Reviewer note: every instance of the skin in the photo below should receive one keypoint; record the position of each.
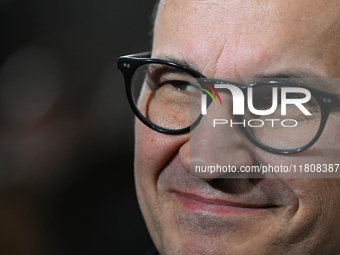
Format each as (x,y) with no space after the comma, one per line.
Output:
(241,39)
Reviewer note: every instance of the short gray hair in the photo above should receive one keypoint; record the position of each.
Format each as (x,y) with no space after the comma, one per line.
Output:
(153,17)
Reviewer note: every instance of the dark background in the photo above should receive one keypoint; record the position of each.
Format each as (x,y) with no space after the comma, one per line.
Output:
(66,130)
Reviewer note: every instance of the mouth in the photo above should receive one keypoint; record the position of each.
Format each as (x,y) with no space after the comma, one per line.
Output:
(220,207)
(224,199)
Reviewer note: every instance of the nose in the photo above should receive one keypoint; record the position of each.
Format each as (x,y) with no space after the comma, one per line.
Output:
(217,149)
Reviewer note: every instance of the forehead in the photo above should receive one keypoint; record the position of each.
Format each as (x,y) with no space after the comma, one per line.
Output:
(235,34)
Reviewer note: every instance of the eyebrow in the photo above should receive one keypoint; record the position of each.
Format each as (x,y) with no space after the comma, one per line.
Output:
(291,73)
(183,62)
(157,71)
(314,79)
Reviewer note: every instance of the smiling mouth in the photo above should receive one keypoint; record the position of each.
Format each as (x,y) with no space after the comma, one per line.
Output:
(218,207)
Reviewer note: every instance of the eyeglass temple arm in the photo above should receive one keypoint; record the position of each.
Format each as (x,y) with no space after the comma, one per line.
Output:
(145,54)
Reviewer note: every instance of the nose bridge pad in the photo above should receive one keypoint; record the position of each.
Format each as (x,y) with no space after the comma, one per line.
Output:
(218,143)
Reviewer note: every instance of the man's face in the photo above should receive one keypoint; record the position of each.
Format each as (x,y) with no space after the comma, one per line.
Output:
(242,39)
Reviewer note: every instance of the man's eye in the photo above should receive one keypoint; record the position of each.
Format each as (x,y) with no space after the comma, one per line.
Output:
(180,85)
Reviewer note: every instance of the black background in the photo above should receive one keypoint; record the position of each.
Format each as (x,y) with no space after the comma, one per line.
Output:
(67,174)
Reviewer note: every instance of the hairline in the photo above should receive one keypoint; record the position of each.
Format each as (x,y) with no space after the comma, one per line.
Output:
(153,18)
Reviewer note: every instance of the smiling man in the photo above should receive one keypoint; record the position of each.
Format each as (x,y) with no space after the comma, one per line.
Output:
(235,40)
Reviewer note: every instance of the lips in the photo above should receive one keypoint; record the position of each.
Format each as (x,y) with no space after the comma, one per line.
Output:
(219,207)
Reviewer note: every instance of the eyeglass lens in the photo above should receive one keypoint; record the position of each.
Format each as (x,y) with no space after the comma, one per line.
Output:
(162,94)
(290,131)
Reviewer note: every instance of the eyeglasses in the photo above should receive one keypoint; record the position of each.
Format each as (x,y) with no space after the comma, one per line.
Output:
(166,97)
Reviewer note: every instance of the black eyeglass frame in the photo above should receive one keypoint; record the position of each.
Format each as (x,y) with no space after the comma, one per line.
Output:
(130,63)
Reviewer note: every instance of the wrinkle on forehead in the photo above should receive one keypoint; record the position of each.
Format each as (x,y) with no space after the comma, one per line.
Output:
(229,33)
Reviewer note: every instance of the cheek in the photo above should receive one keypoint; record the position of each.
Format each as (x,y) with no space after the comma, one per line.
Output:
(153,151)
(319,209)
(329,142)
(318,216)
